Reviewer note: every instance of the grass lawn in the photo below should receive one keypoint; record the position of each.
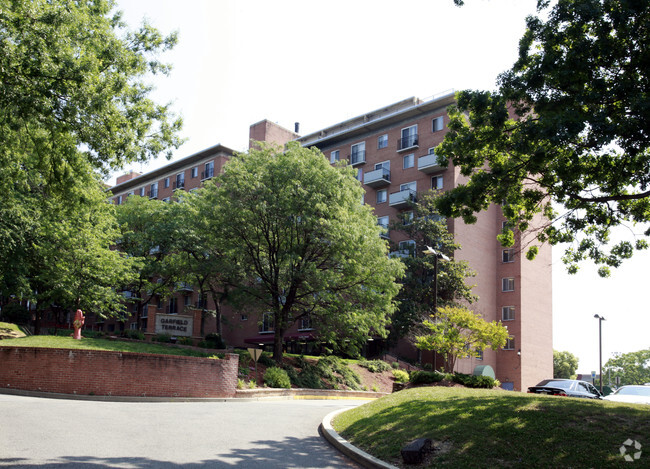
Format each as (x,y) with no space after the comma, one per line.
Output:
(9,330)
(49,341)
(492,428)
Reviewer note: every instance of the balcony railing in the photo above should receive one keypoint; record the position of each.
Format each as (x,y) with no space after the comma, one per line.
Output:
(207,174)
(377,178)
(152,194)
(358,157)
(429,163)
(178,185)
(410,141)
(402,199)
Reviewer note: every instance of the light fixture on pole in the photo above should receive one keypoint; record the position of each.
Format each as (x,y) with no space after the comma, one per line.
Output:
(600,350)
(429,251)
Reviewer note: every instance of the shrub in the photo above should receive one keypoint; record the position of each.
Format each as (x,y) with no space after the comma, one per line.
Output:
(266,360)
(186,341)
(252,384)
(375,366)
(336,371)
(395,365)
(16,313)
(309,376)
(426,377)
(375,388)
(472,381)
(240,384)
(163,338)
(401,376)
(133,334)
(212,340)
(277,378)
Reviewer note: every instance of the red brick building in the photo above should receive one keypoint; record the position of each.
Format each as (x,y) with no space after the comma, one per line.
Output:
(393,150)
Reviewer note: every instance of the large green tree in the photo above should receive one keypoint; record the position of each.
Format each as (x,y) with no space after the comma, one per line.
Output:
(565,365)
(457,332)
(305,244)
(421,288)
(631,368)
(73,102)
(568,128)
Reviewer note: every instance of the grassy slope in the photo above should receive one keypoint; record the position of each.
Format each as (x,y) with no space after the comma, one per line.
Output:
(48,341)
(9,330)
(486,428)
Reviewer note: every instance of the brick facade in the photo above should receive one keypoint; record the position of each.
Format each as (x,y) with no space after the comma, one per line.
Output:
(91,372)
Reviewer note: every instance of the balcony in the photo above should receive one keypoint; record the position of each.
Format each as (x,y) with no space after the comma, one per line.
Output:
(358,157)
(152,194)
(408,142)
(401,253)
(429,164)
(207,174)
(402,199)
(377,178)
(185,287)
(178,185)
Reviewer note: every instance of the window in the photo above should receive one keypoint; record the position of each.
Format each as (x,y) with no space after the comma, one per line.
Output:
(409,138)
(208,171)
(141,192)
(202,301)
(360,175)
(335,156)
(382,196)
(507,313)
(358,153)
(508,255)
(508,284)
(267,324)
(382,141)
(437,124)
(195,172)
(407,247)
(244,317)
(166,199)
(153,193)
(187,300)
(510,344)
(383,222)
(180,180)
(436,182)
(479,354)
(305,323)
(118,200)
(409,186)
(409,161)
(173,306)
(166,182)
(407,218)
(130,193)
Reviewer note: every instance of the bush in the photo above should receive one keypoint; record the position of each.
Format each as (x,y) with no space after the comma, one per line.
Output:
(133,334)
(186,341)
(16,314)
(240,384)
(163,338)
(401,376)
(336,371)
(375,366)
(277,378)
(426,377)
(266,360)
(395,365)
(213,340)
(309,376)
(472,381)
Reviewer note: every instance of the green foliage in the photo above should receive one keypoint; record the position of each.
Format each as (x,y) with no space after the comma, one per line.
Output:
(213,340)
(275,377)
(303,244)
(566,128)
(241,384)
(457,332)
(15,313)
(133,334)
(337,373)
(565,365)
(266,359)
(401,376)
(426,377)
(418,292)
(631,368)
(186,341)
(472,381)
(163,338)
(375,366)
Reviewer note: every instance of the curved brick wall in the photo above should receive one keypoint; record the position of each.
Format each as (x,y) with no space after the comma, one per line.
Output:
(100,373)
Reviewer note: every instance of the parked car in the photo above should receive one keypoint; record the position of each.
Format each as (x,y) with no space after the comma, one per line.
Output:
(566,387)
(631,394)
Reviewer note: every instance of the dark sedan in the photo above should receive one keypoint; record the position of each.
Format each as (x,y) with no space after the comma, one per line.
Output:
(566,387)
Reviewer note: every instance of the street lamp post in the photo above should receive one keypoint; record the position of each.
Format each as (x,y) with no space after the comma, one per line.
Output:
(429,251)
(600,349)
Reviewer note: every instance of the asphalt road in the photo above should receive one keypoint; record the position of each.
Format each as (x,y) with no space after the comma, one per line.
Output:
(53,433)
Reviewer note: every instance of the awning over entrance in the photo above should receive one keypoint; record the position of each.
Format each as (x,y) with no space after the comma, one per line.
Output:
(268,338)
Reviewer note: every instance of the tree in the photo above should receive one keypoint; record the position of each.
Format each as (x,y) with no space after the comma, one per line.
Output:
(306,246)
(567,127)
(426,227)
(456,332)
(565,365)
(148,233)
(74,102)
(631,368)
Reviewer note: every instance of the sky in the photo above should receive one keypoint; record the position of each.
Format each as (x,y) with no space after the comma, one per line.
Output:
(319,63)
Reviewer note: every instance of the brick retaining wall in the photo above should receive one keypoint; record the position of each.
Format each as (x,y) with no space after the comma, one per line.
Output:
(102,373)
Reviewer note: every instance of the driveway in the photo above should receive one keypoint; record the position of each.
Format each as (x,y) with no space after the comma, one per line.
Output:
(53,433)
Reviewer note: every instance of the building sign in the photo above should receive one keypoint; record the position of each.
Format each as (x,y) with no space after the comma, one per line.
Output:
(174,324)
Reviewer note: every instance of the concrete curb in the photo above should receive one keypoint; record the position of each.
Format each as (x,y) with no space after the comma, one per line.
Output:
(354,453)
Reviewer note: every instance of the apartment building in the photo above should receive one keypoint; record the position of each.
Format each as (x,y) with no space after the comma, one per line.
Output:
(393,150)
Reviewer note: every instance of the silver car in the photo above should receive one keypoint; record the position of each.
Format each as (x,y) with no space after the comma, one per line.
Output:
(631,394)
